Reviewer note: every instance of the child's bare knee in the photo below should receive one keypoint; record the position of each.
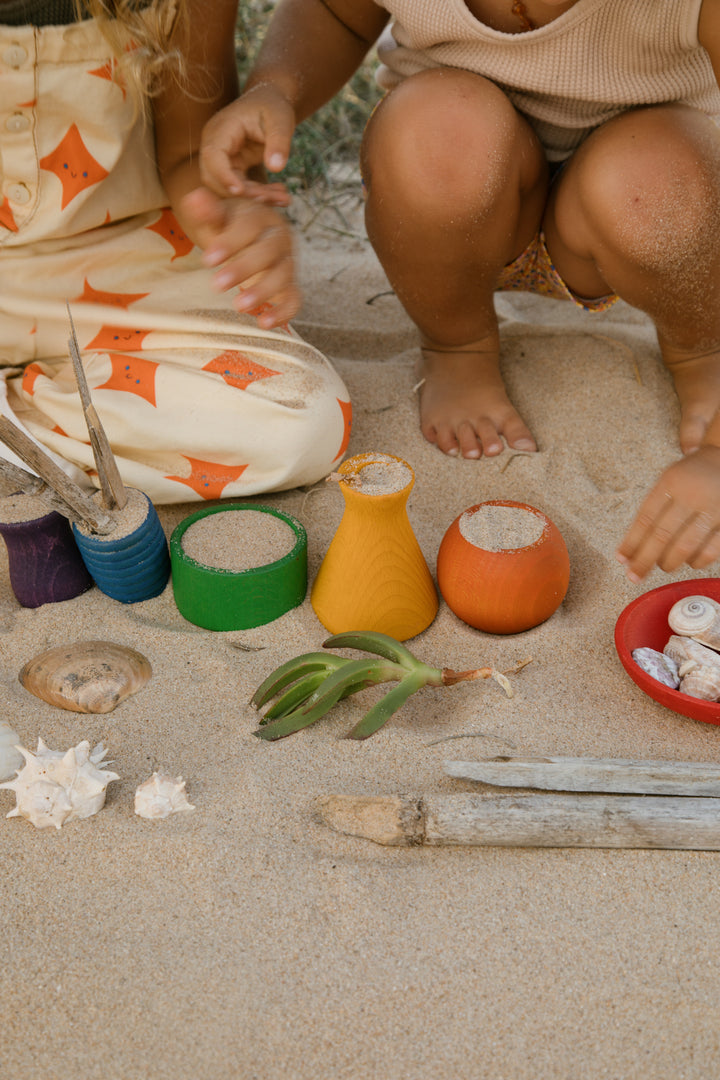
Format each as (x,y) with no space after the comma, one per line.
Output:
(442,135)
(651,195)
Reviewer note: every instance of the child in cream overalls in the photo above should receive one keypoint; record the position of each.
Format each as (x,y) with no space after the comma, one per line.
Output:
(199,400)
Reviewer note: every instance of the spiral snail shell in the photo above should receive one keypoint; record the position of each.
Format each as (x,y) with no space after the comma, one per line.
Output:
(697,617)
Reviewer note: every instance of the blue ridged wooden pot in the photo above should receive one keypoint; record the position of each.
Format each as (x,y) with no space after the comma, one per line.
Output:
(128,568)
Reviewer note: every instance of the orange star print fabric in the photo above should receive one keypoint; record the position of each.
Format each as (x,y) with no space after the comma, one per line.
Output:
(198,402)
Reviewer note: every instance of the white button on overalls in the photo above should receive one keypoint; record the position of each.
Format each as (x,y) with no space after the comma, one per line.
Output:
(14,56)
(18,193)
(17,122)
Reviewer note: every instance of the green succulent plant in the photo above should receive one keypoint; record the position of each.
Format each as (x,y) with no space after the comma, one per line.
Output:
(307,686)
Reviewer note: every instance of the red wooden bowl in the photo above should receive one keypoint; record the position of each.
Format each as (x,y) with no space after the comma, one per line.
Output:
(509,590)
(644,623)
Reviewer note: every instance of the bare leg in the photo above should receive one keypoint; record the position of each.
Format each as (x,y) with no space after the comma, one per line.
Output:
(457,183)
(637,212)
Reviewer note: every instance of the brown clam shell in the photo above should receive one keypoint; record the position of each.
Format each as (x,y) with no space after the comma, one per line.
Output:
(86,676)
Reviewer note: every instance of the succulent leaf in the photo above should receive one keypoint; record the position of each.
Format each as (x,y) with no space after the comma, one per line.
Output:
(291,671)
(372,641)
(382,710)
(298,719)
(354,675)
(295,695)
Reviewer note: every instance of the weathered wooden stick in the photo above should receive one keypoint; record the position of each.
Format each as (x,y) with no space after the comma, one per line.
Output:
(113,491)
(17,481)
(611,775)
(563,821)
(74,497)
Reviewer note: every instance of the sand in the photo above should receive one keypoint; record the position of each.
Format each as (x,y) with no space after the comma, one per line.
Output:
(247,941)
(232,540)
(501,528)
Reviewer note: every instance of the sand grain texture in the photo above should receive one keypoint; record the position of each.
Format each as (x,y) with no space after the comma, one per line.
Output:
(247,941)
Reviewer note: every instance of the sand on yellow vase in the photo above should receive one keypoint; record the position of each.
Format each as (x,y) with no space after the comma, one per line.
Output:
(374,575)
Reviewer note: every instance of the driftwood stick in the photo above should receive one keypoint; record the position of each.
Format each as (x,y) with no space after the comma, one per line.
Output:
(81,505)
(113,491)
(610,775)
(17,481)
(561,821)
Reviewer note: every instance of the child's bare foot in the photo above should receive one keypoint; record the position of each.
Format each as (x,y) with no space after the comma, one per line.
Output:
(464,407)
(697,382)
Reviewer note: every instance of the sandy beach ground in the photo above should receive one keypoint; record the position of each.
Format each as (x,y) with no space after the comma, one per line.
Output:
(246,939)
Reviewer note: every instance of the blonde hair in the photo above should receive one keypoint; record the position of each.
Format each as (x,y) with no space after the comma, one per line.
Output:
(146,38)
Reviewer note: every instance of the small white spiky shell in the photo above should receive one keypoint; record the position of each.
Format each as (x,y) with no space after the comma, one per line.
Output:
(697,617)
(56,786)
(10,757)
(698,667)
(160,796)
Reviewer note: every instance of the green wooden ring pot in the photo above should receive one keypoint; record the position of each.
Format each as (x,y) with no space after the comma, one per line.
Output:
(219,599)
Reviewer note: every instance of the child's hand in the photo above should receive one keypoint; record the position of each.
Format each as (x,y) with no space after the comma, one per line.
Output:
(255,130)
(679,521)
(252,246)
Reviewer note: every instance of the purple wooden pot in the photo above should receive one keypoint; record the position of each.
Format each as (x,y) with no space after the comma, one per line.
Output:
(44,562)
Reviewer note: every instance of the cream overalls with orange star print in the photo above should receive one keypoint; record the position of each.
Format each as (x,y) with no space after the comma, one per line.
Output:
(198,402)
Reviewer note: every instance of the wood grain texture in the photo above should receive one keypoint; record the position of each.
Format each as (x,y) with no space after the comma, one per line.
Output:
(526,820)
(81,506)
(609,775)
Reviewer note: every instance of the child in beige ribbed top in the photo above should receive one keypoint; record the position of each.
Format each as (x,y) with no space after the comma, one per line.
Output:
(487,98)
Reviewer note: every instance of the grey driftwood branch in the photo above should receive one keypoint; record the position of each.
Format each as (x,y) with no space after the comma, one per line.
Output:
(72,501)
(528,820)
(608,775)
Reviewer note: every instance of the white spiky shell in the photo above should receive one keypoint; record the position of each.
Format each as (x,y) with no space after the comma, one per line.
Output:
(698,667)
(56,786)
(10,757)
(697,617)
(160,796)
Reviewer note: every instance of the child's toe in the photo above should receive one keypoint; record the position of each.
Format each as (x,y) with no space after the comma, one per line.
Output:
(518,435)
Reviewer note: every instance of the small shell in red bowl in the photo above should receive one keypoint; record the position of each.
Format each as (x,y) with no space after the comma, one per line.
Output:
(644,623)
(503,567)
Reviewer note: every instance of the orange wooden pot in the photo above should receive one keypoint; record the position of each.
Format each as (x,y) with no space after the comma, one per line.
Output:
(514,583)
(374,575)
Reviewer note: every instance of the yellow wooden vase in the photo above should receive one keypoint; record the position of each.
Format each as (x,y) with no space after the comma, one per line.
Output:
(374,575)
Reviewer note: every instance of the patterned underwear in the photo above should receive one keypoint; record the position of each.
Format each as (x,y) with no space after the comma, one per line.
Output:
(533,271)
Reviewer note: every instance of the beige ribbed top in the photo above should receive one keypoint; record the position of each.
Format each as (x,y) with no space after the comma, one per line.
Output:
(591,63)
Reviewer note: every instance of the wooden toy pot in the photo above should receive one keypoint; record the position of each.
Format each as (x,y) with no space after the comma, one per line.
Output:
(132,566)
(374,575)
(44,563)
(512,586)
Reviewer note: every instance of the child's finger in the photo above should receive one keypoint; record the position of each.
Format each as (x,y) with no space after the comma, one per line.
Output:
(275,194)
(689,542)
(278,126)
(279,309)
(268,285)
(253,254)
(217,172)
(651,534)
(708,553)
